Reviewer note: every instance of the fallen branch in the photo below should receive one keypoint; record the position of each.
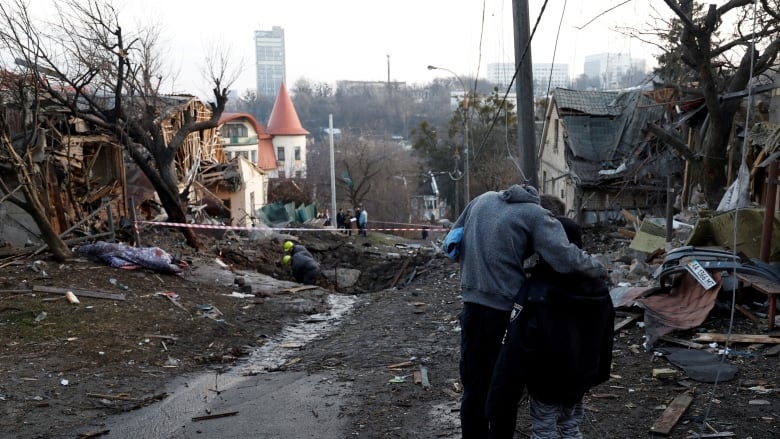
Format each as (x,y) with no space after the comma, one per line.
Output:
(214,416)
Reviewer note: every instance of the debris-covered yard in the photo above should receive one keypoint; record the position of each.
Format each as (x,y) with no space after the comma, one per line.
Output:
(67,366)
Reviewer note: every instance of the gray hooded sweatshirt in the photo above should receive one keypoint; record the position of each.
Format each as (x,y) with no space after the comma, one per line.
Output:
(501,230)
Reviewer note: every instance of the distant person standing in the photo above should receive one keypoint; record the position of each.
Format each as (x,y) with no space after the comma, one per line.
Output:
(363,222)
(340,220)
(500,231)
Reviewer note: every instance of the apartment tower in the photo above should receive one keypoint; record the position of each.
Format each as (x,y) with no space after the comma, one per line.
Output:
(270,60)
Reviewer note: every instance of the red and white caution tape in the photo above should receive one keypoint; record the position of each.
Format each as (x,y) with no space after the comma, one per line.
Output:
(285,229)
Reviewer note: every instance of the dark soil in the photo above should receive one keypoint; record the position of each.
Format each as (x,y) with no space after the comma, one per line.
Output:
(63,373)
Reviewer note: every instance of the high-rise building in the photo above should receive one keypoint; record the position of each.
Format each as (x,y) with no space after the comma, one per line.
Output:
(549,76)
(610,69)
(270,60)
(501,74)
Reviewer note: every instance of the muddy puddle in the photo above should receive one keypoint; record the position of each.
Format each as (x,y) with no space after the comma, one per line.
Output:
(253,398)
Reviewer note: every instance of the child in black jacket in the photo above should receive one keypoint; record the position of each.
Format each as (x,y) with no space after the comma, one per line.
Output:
(558,345)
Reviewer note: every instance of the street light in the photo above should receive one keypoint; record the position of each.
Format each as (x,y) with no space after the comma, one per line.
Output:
(465,132)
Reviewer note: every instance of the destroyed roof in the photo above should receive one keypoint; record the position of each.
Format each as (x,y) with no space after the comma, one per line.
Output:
(594,103)
(606,126)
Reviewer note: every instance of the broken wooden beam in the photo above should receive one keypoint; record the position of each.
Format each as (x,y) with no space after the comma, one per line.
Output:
(668,419)
(84,293)
(682,342)
(736,338)
(626,321)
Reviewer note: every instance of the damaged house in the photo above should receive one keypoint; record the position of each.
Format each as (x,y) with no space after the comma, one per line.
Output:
(89,186)
(597,157)
(79,175)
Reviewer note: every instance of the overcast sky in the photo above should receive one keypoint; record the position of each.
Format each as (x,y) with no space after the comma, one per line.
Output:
(351,39)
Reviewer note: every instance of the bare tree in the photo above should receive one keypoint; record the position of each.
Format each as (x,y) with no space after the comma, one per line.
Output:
(364,165)
(91,68)
(703,58)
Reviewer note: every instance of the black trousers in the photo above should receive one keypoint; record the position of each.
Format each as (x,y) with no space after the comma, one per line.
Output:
(482,330)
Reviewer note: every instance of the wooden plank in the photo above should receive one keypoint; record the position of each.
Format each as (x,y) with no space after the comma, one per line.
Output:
(84,293)
(668,419)
(736,338)
(682,342)
(399,365)
(623,323)
(754,318)
(759,283)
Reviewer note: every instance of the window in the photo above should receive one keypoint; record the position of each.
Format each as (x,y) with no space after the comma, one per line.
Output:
(253,156)
(234,130)
(280,153)
(555,139)
(298,174)
(298,153)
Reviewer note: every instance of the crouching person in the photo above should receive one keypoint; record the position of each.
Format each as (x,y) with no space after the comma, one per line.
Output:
(305,268)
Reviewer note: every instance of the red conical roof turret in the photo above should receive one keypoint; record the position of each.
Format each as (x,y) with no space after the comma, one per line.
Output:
(284,119)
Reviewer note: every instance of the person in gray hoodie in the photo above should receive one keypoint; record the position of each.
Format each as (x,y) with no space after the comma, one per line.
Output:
(500,231)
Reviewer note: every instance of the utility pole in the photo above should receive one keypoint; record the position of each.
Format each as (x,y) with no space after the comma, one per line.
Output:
(524,83)
(333,210)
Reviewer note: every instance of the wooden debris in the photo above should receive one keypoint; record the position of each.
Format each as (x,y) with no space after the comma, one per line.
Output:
(172,297)
(214,416)
(400,272)
(686,343)
(626,321)
(665,373)
(167,337)
(746,312)
(670,416)
(630,218)
(297,289)
(736,338)
(399,365)
(708,435)
(83,293)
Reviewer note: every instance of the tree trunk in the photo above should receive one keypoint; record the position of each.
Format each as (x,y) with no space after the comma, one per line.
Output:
(165,184)
(33,205)
(35,208)
(173,204)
